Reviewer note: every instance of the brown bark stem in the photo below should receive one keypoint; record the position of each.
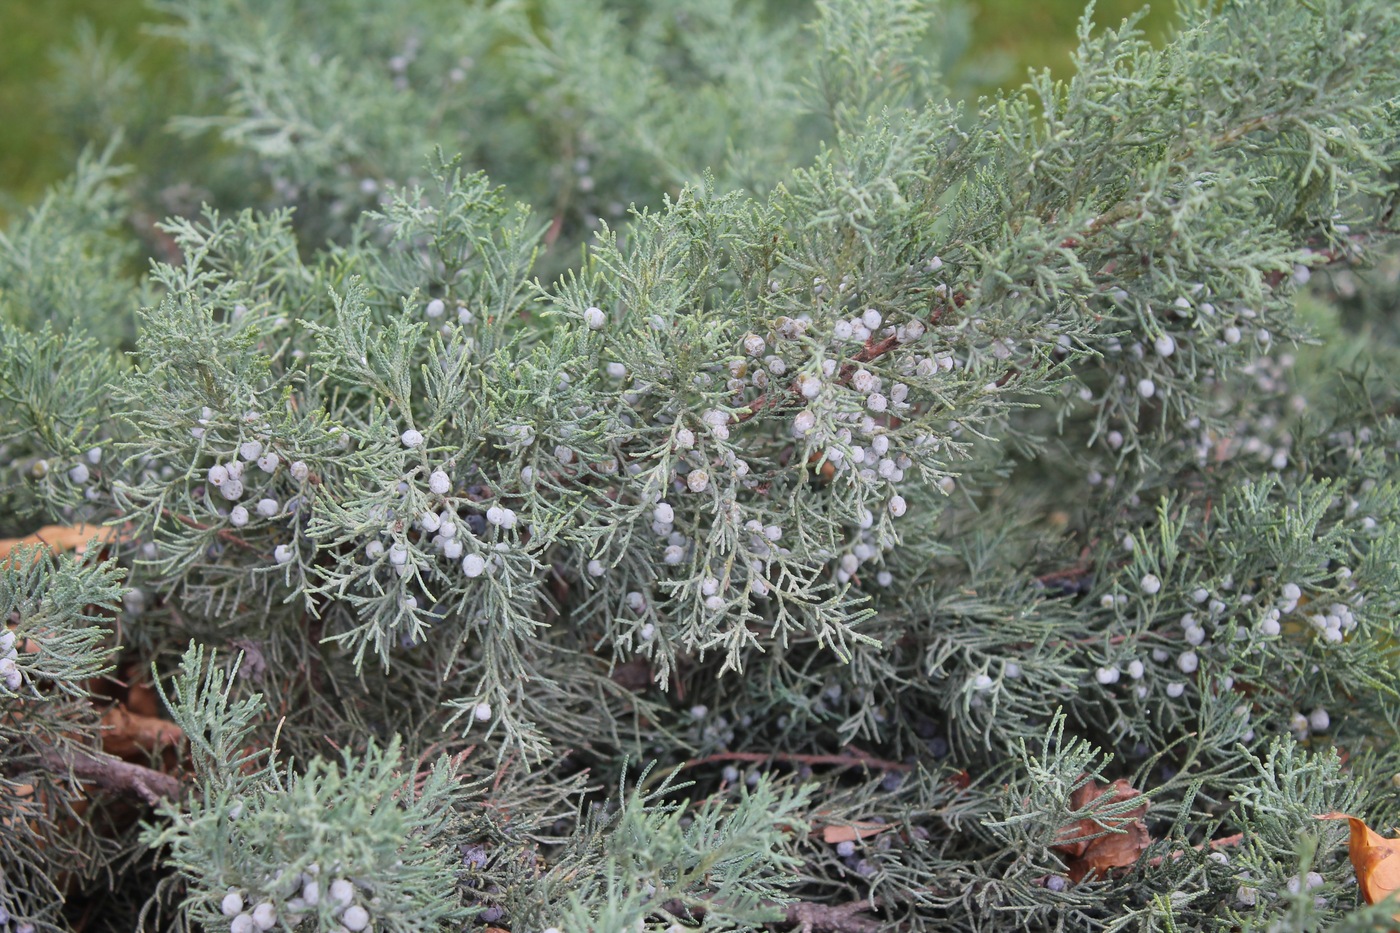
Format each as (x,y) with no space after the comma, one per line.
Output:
(113,774)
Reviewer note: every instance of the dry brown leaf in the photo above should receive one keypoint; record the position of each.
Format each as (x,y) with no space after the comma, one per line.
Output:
(1374,858)
(18,792)
(130,735)
(1119,850)
(851,832)
(141,698)
(59,538)
(1097,846)
(634,675)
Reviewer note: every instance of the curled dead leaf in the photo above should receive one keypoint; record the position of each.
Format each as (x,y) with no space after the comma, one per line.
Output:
(142,699)
(824,468)
(17,793)
(850,832)
(132,736)
(59,538)
(1374,858)
(1097,845)
(634,675)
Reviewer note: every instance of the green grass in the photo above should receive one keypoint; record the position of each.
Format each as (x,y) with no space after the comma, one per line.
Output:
(1030,33)
(1042,34)
(32,154)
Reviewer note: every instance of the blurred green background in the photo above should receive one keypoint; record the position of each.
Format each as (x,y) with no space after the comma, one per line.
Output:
(1019,34)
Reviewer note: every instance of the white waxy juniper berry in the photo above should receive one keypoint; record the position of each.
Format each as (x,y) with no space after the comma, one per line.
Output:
(803,423)
(264,916)
(341,892)
(355,918)
(232,903)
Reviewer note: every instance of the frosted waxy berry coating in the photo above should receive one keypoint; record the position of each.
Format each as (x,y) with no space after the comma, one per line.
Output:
(355,918)
(231,904)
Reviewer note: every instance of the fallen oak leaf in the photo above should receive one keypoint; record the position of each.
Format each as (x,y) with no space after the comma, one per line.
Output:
(1374,858)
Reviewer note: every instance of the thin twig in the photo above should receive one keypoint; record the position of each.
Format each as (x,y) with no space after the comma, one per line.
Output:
(1221,843)
(825,918)
(223,533)
(113,774)
(807,917)
(858,759)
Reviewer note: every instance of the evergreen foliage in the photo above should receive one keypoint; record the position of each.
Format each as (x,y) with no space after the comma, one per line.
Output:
(795,521)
